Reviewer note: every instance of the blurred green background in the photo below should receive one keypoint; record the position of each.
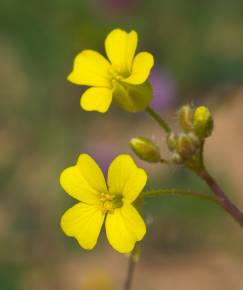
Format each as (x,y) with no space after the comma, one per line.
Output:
(198,47)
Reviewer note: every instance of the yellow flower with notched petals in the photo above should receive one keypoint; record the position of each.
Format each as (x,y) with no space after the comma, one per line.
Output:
(99,202)
(123,77)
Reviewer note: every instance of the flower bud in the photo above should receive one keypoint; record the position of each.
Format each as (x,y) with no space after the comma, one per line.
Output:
(172,141)
(195,140)
(145,149)
(203,122)
(185,116)
(186,146)
(133,98)
(176,158)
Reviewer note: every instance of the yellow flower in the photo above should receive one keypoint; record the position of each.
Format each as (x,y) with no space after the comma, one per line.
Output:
(123,77)
(99,202)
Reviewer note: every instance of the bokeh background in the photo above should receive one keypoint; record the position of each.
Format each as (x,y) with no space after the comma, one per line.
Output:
(198,47)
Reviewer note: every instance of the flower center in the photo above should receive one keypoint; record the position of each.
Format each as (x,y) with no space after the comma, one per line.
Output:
(109,202)
(117,76)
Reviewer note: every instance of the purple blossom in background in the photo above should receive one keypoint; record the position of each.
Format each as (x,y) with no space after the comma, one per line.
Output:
(164,90)
(103,154)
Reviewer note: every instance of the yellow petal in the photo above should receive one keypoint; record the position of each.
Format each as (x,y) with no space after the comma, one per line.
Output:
(83,222)
(142,64)
(124,227)
(91,69)
(120,48)
(84,181)
(125,178)
(96,99)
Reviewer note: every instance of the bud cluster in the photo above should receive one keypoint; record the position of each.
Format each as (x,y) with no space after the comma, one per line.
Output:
(186,146)
(196,125)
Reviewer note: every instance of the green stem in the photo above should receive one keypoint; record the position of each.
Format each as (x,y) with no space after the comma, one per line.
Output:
(131,268)
(163,124)
(178,192)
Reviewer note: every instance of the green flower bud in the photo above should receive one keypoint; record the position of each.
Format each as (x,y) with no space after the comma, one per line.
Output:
(145,149)
(203,122)
(185,116)
(195,140)
(172,141)
(176,158)
(133,98)
(186,146)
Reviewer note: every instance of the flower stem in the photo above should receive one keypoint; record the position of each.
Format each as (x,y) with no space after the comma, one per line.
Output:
(163,124)
(221,197)
(178,192)
(131,268)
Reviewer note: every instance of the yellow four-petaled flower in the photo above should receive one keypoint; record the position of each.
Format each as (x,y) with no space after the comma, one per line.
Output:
(122,77)
(99,202)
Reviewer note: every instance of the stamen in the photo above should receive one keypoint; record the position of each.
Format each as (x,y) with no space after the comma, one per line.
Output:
(109,202)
